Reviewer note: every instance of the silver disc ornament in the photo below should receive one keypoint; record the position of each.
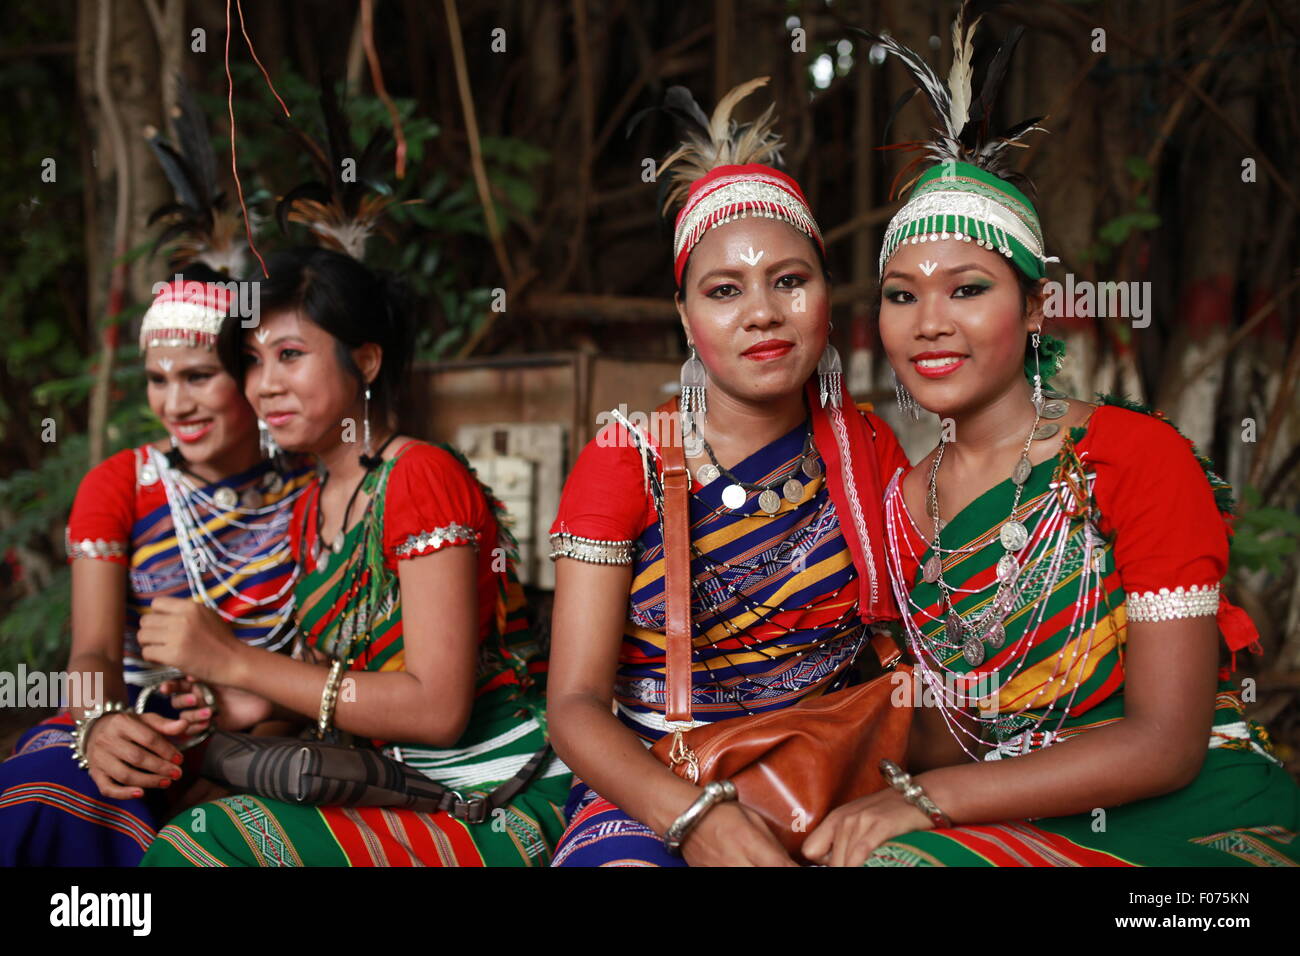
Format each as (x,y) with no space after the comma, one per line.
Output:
(1045,430)
(1008,568)
(793,491)
(707,474)
(972,648)
(812,467)
(1055,409)
(225,497)
(769,501)
(733,497)
(1020,474)
(1014,536)
(930,573)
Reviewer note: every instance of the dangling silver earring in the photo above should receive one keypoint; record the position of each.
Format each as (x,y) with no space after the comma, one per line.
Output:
(693,398)
(830,376)
(906,403)
(365,425)
(266,441)
(1037,340)
(175,443)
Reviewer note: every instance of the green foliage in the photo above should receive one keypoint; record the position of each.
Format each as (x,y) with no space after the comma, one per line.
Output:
(433,222)
(1141,218)
(1264,539)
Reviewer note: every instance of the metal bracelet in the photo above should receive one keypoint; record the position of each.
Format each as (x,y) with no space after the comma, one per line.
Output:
(914,794)
(82,731)
(719,791)
(329,698)
(209,700)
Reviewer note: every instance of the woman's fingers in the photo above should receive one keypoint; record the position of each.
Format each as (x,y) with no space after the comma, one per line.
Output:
(112,790)
(121,770)
(146,735)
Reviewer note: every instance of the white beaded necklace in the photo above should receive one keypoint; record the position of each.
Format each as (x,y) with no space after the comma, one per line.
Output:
(193,511)
(1047,548)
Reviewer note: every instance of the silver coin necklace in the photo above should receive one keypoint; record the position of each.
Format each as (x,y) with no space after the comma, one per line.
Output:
(1013,536)
(737,492)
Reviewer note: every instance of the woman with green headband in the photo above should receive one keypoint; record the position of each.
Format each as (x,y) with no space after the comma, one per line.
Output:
(1058,565)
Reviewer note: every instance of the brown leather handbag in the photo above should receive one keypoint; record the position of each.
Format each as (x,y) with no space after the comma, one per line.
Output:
(791,766)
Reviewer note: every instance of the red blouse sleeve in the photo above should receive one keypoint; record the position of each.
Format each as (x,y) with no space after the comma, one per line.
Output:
(433,502)
(103,512)
(606,504)
(1170,542)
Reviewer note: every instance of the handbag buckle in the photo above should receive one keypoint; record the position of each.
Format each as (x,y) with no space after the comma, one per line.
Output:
(680,752)
(473,810)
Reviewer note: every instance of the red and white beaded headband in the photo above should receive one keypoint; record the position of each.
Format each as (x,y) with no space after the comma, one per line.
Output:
(185,312)
(728,193)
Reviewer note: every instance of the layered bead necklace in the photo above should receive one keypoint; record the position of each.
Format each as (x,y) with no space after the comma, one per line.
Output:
(1044,552)
(194,511)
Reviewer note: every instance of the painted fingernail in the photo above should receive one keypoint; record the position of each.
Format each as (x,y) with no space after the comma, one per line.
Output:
(205,713)
(164,782)
(137,793)
(177,758)
(176,774)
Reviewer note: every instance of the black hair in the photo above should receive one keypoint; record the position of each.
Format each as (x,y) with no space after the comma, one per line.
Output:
(351,302)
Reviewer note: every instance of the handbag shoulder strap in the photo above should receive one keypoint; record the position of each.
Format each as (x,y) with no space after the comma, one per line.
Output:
(675,522)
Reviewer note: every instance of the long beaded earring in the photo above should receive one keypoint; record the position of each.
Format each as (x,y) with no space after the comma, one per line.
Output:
(693,399)
(365,425)
(1037,340)
(266,441)
(830,374)
(906,403)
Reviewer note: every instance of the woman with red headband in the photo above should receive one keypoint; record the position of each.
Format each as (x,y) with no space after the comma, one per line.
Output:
(200,515)
(785,494)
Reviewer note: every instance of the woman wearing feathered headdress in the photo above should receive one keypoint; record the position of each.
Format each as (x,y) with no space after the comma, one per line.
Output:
(784,500)
(415,634)
(1058,563)
(197,520)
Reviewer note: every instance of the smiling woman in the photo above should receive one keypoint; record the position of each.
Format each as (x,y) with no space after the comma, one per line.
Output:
(198,519)
(1059,566)
(415,635)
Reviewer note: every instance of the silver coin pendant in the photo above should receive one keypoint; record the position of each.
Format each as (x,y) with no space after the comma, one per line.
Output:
(972,649)
(707,474)
(733,497)
(769,501)
(1008,568)
(793,491)
(1055,409)
(225,497)
(812,467)
(1014,536)
(996,636)
(1044,431)
(933,567)
(1020,474)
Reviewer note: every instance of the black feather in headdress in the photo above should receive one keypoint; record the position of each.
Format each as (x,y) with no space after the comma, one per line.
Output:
(961,122)
(199,227)
(342,214)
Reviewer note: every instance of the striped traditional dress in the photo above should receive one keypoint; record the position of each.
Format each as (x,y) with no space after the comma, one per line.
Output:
(51,812)
(423,499)
(775,598)
(1123,525)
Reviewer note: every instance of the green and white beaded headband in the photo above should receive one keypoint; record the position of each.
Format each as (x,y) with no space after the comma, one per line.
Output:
(963,202)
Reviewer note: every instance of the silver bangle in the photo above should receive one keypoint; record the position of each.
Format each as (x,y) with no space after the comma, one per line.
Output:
(82,731)
(914,794)
(719,791)
(209,700)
